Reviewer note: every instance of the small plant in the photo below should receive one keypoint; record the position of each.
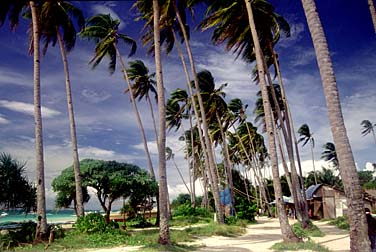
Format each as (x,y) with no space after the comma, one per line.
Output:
(140,222)
(312,230)
(188,211)
(310,246)
(341,222)
(92,223)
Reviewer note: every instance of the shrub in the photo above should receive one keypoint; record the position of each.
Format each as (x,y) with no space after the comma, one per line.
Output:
(341,222)
(245,210)
(92,223)
(140,222)
(25,233)
(312,230)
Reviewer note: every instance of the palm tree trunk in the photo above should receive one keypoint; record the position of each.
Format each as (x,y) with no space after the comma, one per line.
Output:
(212,163)
(72,126)
(203,139)
(152,117)
(164,229)
(227,161)
(287,234)
(290,128)
(358,226)
(373,13)
(135,109)
(181,175)
(259,180)
(373,133)
(313,163)
(39,159)
(193,159)
(302,213)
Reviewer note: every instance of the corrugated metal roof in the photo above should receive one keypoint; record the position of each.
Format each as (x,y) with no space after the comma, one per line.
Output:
(311,191)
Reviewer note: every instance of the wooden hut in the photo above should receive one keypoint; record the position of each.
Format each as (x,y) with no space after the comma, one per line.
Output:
(325,202)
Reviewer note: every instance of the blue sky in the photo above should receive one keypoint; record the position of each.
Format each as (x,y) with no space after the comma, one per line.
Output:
(106,126)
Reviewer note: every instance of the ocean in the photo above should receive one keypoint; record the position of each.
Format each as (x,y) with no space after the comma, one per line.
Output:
(53,216)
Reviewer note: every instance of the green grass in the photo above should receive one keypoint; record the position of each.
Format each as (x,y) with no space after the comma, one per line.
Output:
(309,245)
(340,222)
(311,231)
(182,221)
(74,241)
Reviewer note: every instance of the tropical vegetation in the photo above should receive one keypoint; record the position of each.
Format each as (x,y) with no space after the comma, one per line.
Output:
(224,151)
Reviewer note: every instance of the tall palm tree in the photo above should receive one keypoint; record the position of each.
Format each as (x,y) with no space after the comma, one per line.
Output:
(287,233)
(305,137)
(143,85)
(368,128)
(373,13)
(164,229)
(358,227)
(13,8)
(57,25)
(104,30)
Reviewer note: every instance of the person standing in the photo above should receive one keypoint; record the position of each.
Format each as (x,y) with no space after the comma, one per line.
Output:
(371,229)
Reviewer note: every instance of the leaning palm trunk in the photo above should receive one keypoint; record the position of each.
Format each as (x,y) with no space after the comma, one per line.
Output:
(135,109)
(72,125)
(208,146)
(227,161)
(290,128)
(193,169)
(164,229)
(301,211)
(258,178)
(152,117)
(358,226)
(373,13)
(287,234)
(203,139)
(39,159)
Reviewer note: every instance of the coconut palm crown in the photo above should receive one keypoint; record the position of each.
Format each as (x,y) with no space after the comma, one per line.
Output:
(105,32)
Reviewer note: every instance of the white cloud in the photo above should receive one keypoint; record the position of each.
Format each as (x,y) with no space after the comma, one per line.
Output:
(95,97)
(103,9)
(27,108)
(8,76)
(3,120)
(296,34)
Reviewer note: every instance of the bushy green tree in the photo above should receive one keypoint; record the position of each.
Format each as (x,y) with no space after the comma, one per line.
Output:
(65,187)
(111,180)
(16,192)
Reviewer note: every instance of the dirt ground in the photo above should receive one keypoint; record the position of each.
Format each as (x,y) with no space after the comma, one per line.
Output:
(259,238)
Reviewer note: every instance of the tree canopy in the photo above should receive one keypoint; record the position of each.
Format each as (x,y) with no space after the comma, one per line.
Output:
(110,179)
(16,192)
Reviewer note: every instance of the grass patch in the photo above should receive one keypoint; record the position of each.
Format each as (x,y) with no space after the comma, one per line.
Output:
(309,245)
(182,221)
(311,231)
(341,222)
(74,240)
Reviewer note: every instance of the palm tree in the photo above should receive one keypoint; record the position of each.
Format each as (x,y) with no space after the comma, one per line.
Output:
(287,233)
(358,227)
(373,13)
(305,137)
(144,85)
(13,9)
(104,30)
(164,229)
(368,128)
(57,25)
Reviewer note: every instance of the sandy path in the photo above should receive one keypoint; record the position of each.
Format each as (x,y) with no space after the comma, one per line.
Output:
(259,238)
